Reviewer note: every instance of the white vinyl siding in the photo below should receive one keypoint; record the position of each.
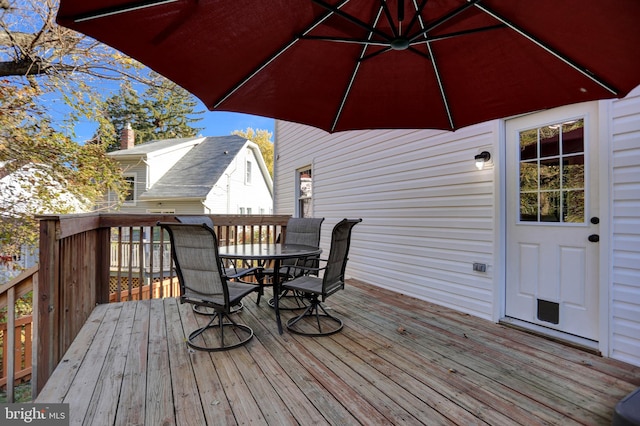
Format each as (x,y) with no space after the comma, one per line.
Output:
(138,171)
(233,192)
(625,286)
(428,213)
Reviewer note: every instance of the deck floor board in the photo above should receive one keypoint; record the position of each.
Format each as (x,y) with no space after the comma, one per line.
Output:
(398,360)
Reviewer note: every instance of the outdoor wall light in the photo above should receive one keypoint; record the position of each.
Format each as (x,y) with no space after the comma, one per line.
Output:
(481,159)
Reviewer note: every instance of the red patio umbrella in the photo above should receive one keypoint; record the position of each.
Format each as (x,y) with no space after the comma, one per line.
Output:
(364,64)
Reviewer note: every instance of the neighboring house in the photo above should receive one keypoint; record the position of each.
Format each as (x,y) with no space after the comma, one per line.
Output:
(203,175)
(546,237)
(19,196)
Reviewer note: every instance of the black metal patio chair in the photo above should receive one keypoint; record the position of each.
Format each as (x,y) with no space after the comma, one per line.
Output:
(194,249)
(316,289)
(232,272)
(303,231)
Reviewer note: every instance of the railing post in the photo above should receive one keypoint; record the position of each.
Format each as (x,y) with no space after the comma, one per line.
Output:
(47,315)
(9,342)
(35,335)
(103,262)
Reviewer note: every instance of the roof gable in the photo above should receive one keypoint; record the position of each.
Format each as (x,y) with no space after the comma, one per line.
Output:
(197,172)
(155,147)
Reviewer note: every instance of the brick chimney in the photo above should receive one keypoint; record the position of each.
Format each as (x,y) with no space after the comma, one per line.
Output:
(127,137)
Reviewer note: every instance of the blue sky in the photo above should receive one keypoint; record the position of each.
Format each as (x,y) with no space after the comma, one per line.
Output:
(218,123)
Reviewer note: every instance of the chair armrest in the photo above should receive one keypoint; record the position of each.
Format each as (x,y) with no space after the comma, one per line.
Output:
(244,273)
(305,269)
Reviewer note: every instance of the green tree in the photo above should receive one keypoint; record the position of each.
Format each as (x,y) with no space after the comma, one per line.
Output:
(163,111)
(45,68)
(41,170)
(262,138)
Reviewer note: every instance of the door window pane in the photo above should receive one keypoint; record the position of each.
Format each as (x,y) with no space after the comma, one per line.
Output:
(550,141)
(550,206)
(573,137)
(573,172)
(574,207)
(529,176)
(552,173)
(529,207)
(529,144)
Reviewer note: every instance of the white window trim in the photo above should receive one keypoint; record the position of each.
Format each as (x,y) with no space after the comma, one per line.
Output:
(248,172)
(161,211)
(298,195)
(135,189)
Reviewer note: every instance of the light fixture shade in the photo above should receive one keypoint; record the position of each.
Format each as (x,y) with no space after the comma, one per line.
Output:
(481,159)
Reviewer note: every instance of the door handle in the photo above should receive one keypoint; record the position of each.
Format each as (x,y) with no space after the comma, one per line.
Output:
(594,238)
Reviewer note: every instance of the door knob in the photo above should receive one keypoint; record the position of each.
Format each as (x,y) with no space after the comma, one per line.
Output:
(594,238)
(595,220)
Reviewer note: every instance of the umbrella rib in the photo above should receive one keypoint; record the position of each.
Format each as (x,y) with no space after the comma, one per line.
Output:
(549,50)
(347,40)
(424,31)
(387,13)
(262,66)
(460,33)
(445,101)
(418,13)
(443,94)
(351,19)
(353,77)
(102,13)
(374,54)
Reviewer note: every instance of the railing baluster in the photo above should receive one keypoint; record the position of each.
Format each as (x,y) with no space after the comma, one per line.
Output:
(130,265)
(9,342)
(141,263)
(119,273)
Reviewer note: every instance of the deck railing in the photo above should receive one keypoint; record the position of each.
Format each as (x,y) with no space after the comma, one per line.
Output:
(77,270)
(17,333)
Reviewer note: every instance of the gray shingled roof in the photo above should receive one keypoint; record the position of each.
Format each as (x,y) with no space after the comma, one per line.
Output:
(198,171)
(148,147)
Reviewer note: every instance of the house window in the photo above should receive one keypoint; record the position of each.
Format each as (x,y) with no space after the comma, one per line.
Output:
(304,185)
(130,190)
(552,173)
(241,210)
(248,176)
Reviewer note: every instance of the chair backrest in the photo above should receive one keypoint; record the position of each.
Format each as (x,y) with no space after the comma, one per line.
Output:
(197,220)
(305,231)
(194,248)
(333,278)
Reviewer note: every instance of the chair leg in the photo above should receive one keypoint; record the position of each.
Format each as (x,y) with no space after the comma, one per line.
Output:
(289,295)
(260,293)
(221,325)
(260,279)
(202,310)
(313,311)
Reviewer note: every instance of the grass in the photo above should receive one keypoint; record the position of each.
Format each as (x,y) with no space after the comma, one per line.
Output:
(22,393)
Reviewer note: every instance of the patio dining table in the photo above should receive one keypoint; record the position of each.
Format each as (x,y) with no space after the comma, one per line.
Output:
(269,252)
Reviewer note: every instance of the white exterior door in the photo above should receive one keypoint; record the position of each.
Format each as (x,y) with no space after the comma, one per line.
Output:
(552,221)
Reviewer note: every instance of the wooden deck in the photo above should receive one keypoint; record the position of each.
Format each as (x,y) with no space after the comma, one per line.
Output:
(398,360)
